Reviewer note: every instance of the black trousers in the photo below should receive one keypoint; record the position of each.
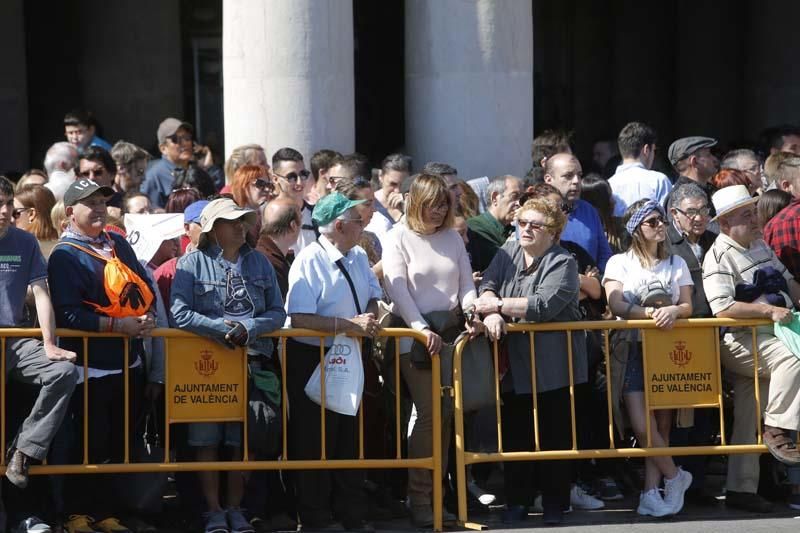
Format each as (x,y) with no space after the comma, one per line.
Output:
(555,433)
(315,489)
(98,494)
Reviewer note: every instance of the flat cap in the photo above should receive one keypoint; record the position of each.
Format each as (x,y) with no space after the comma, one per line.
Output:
(686,146)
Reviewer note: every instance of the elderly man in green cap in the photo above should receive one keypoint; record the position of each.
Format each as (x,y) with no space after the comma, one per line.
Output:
(331,289)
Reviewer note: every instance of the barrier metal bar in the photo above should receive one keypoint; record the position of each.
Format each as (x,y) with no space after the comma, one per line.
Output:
(458,415)
(535,399)
(126,400)
(322,440)
(361,404)
(571,391)
(437,390)
(607,355)
(757,385)
(647,413)
(284,398)
(397,388)
(167,412)
(496,361)
(85,400)
(245,418)
(719,388)
(3,402)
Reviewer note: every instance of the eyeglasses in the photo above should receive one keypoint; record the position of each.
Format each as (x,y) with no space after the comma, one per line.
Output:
(444,206)
(93,172)
(360,221)
(292,177)
(654,222)
(694,213)
(535,226)
(16,213)
(333,180)
(264,185)
(180,138)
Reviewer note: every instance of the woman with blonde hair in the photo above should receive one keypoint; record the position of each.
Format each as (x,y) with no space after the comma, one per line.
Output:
(427,275)
(32,206)
(647,283)
(247,154)
(33,176)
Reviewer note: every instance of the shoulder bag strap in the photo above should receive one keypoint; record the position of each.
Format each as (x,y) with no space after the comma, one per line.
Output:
(349,282)
(86,250)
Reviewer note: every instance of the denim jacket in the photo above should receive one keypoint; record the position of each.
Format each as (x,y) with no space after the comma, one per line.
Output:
(198,295)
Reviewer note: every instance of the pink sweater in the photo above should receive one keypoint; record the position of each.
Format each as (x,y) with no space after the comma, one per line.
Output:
(425,273)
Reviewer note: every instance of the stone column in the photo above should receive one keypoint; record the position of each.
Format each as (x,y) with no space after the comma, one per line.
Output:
(13,88)
(288,74)
(469,84)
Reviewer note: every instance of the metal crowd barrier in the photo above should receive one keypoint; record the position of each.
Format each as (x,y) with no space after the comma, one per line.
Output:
(181,353)
(691,338)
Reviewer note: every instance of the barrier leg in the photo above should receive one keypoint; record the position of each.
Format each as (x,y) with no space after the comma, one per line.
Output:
(436,391)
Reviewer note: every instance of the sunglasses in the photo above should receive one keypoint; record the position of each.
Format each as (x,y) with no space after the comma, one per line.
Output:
(535,226)
(16,213)
(264,185)
(654,222)
(292,177)
(180,138)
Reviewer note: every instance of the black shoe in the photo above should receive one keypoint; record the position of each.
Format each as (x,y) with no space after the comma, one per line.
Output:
(748,501)
(553,514)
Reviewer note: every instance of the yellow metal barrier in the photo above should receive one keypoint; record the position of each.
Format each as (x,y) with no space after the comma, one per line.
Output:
(697,331)
(173,415)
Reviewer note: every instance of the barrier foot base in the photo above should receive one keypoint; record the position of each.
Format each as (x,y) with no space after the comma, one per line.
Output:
(474,526)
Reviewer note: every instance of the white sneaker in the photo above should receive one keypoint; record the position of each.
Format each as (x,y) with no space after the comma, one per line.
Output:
(651,504)
(580,500)
(481,495)
(675,488)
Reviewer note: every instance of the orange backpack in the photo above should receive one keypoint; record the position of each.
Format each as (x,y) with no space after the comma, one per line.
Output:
(127,293)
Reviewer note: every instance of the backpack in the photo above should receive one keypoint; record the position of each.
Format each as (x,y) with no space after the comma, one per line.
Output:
(127,293)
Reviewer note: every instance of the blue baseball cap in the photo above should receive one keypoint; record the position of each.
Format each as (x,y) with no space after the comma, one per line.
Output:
(193,210)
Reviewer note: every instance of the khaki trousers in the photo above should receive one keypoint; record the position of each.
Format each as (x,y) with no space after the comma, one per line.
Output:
(420,443)
(779,384)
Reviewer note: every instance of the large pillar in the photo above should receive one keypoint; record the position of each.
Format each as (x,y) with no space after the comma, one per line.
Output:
(288,74)
(469,84)
(13,88)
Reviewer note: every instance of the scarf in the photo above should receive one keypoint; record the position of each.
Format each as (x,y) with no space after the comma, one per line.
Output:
(489,228)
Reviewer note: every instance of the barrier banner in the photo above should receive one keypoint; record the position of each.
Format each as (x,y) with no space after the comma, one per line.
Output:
(681,367)
(205,381)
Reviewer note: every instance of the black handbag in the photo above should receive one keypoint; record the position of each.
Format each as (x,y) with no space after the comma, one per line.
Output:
(144,492)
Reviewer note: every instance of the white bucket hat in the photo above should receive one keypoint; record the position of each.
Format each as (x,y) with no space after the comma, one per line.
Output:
(727,199)
(226,209)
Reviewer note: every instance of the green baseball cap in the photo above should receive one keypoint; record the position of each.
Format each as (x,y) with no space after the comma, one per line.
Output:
(331,207)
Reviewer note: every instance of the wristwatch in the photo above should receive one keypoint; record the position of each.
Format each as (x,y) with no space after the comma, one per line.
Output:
(500,305)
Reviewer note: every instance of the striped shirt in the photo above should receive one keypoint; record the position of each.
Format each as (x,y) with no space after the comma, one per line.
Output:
(729,264)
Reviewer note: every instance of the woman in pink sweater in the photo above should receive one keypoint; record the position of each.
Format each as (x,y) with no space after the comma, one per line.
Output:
(427,275)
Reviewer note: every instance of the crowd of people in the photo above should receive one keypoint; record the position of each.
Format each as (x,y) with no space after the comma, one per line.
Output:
(108,239)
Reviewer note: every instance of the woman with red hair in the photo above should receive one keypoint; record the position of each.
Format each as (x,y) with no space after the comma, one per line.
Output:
(252,186)
(729,176)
